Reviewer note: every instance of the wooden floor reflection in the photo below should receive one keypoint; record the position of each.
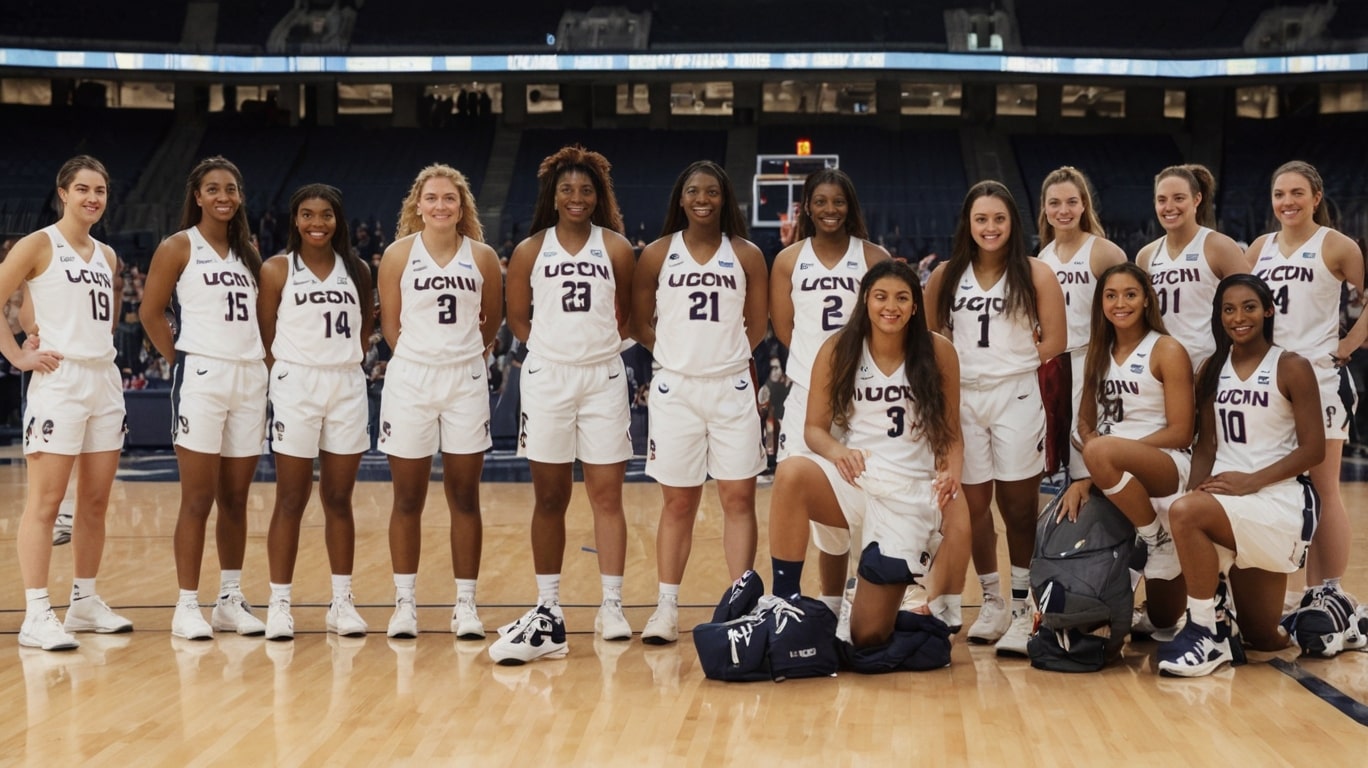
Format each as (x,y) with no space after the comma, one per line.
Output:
(149,699)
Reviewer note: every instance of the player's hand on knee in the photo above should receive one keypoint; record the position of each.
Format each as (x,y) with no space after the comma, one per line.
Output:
(1073,499)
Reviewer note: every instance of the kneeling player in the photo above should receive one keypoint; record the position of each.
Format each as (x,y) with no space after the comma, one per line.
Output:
(894,388)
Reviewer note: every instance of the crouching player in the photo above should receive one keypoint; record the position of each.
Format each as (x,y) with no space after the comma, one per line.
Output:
(893,387)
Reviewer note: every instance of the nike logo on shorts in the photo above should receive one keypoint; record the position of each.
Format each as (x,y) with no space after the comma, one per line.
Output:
(283,375)
(202,371)
(532,370)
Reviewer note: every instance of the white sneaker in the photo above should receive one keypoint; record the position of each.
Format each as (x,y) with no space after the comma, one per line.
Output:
(232,613)
(61,530)
(1143,629)
(993,620)
(663,626)
(90,614)
(343,619)
(404,622)
(1162,562)
(1013,641)
(539,634)
(45,631)
(610,624)
(279,622)
(189,623)
(465,620)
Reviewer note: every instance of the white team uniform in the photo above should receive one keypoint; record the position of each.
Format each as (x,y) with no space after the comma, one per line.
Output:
(823,300)
(895,505)
(703,418)
(78,408)
(317,388)
(1307,295)
(574,388)
(1138,411)
(436,396)
(1255,427)
(1076,279)
(1001,412)
(219,383)
(1186,288)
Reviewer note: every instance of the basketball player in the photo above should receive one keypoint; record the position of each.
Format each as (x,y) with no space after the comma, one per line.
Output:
(1187,262)
(814,284)
(1136,426)
(699,305)
(1305,263)
(577,270)
(1260,430)
(315,312)
(1005,313)
(892,389)
(74,402)
(441,295)
(1074,245)
(218,393)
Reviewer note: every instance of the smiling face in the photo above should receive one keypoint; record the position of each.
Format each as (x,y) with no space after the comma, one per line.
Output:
(439,203)
(1124,300)
(990,224)
(702,198)
(890,304)
(1175,203)
(1243,314)
(316,222)
(1063,206)
(828,208)
(218,195)
(1294,199)
(576,197)
(86,196)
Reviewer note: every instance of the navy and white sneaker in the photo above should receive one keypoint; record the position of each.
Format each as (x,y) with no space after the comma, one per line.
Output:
(1197,651)
(539,634)
(1327,623)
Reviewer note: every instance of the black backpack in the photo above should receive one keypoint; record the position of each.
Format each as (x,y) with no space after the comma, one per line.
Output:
(1081,578)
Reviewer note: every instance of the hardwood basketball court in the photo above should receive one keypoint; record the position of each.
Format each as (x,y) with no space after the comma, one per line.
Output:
(149,699)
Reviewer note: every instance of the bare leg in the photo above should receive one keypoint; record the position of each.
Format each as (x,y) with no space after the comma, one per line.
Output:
(336,481)
(603,483)
(738,524)
(410,479)
(674,535)
(96,476)
(461,484)
(551,485)
(47,482)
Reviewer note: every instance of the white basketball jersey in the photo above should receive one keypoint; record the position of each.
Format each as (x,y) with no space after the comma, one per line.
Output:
(991,343)
(1255,426)
(1076,278)
(1138,410)
(319,320)
(217,300)
(574,305)
(439,314)
(884,421)
(823,300)
(701,312)
(1307,295)
(1186,287)
(74,301)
